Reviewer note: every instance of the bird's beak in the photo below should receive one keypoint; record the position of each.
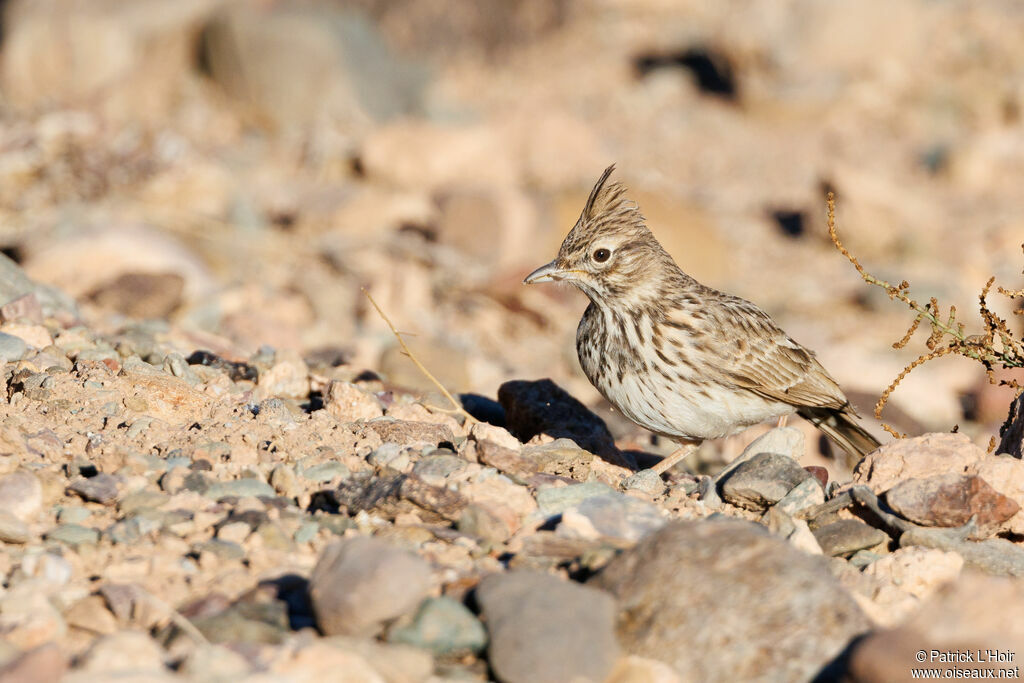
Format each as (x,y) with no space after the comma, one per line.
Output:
(549,272)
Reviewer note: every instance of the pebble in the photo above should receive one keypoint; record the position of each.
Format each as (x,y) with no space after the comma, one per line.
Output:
(225,550)
(443,626)
(846,536)
(807,493)
(124,652)
(616,515)
(544,629)
(360,583)
(12,348)
(142,500)
(554,500)
(12,529)
(102,488)
(73,535)
(763,480)
(326,471)
(246,486)
(647,481)
(22,494)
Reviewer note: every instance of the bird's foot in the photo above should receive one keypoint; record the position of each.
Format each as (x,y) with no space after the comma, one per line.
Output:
(669,461)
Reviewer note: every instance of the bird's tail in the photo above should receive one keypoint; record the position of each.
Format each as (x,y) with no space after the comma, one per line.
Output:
(840,427)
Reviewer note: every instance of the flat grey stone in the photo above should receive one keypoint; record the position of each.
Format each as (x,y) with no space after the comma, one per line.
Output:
(547,630)
(846,536)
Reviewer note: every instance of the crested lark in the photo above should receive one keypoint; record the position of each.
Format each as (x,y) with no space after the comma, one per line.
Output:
(678,358)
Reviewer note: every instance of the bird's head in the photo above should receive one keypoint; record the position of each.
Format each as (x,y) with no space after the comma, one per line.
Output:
(609,253)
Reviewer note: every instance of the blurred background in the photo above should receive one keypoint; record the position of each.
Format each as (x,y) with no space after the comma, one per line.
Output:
(234,172)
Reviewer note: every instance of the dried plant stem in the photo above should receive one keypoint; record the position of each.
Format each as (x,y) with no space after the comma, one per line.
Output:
(997,347)
(456,406)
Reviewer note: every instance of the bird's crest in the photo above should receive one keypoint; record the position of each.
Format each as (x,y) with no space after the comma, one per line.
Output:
(607,206)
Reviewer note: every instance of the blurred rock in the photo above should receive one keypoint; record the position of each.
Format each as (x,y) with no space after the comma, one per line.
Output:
(43,664)
(24,308)
(546,630)
(298,65)
(443,626)
(974,613)
(140,295)
(124,652)
(12,529)
(360,583)
(445,362)
(130,58)
(22,494)
(774,608)
(950,500)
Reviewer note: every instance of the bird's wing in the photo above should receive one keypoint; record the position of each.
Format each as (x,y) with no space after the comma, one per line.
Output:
(751,352)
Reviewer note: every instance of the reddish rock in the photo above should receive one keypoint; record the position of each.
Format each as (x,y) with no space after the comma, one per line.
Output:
(950,500)
(819,473)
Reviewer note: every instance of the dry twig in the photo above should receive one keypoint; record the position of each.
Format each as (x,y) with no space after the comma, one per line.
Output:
(456,406)
(996,347)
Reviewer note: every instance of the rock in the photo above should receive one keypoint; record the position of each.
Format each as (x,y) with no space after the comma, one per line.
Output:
(247,486)
(443,626)
(807,493)
(938,454)
(141,295)
(73,535)
(415,434)
(12,348)
(24,308)
(846,536)
(950,500)
(917,458)
(615,515)
(542,407)
(101,488)
(544,629)
(554,500)
(480,522)
(15,285)
(348,403)
(773,608)
(360,583)
(633,669)
(647,481)
(43,664)
(12,529)
(973,614)
(763,480)
(27,617)
(901,580)
(436,469)
(91,615)
(124,652)
(787,441)
(288,376)
(215,663)
(319,74)
(482,431)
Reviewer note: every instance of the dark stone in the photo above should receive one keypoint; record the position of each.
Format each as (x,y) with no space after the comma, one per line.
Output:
(99,489)
(846,536)
(762,481)
(542,407)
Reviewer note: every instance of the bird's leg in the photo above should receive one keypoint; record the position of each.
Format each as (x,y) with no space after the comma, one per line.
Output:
(676,456)
(782,420)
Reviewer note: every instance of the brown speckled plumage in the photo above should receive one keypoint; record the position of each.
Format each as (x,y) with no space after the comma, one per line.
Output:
(676,357)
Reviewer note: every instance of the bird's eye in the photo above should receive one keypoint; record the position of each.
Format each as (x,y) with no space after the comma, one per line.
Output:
(602,255)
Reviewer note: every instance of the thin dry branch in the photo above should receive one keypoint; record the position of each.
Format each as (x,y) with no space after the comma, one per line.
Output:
(997,347)
(456,406)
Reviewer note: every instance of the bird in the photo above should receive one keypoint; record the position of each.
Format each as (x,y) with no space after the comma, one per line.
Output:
(679,358)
